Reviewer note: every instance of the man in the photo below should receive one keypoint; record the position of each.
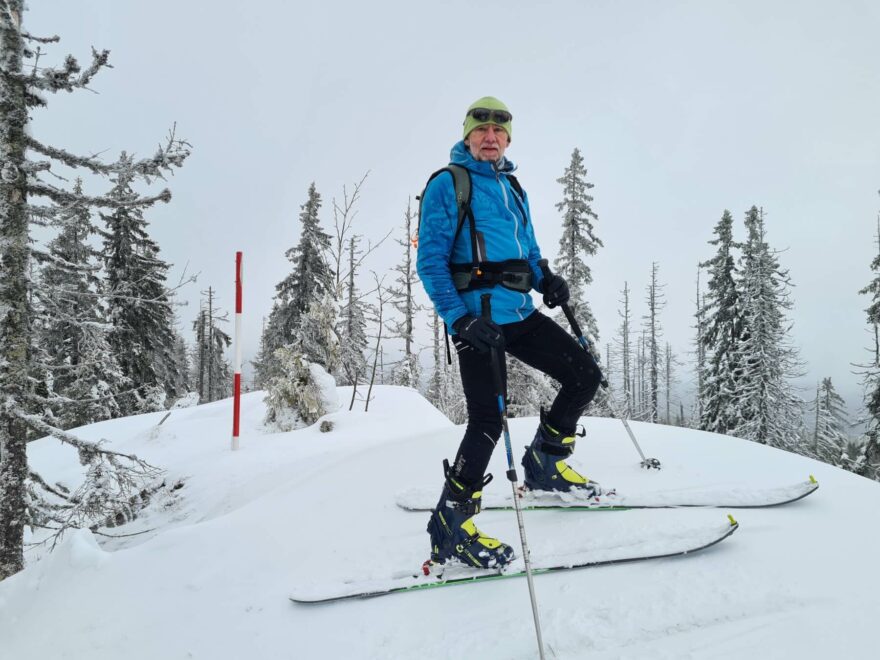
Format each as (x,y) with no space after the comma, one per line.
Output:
(495,252)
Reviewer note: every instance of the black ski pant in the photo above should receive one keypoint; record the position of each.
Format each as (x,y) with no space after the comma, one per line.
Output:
(539,342)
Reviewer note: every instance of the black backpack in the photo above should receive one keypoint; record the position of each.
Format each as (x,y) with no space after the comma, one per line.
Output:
(461,179)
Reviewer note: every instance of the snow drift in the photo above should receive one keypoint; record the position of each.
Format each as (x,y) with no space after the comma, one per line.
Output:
(206,569)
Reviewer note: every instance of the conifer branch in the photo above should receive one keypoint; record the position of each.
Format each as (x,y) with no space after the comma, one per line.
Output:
(42,40)
(87,450)
(66,198)
(168,156)
(67,78)
(57,492)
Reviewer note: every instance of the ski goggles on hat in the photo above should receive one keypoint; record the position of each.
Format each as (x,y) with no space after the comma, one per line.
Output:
(494,116)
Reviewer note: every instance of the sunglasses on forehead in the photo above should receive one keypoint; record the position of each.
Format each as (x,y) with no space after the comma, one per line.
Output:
(495,116)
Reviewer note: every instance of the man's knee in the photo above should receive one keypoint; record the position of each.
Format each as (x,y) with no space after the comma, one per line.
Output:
(485,428)
(585,379)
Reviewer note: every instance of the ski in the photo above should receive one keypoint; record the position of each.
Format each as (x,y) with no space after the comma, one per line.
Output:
(662,545)
(727,498)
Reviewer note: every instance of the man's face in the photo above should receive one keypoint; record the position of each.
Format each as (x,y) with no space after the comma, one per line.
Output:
(487,142)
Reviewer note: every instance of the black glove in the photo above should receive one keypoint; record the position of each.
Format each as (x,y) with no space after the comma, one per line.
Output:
(480,333)
(555,290)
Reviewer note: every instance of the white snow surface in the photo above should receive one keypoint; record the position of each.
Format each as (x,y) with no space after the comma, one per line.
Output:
(211,575)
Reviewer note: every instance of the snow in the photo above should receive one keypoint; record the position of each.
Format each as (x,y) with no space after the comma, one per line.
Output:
(211,574)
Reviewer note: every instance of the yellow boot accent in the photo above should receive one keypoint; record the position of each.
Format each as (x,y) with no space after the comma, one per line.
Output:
(569,474)
(566,441)
(471,529)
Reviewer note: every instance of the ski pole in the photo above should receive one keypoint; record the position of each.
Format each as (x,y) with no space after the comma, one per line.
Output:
(646,463)
(485,302)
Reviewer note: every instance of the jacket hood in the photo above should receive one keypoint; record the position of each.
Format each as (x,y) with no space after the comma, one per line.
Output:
(461,155)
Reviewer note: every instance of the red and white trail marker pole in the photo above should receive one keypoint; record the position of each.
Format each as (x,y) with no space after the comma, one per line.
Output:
(236,378)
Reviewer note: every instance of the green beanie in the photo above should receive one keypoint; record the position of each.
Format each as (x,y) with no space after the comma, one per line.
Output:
(490,103)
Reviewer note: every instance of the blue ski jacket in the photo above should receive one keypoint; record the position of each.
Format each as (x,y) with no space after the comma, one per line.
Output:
(502,234)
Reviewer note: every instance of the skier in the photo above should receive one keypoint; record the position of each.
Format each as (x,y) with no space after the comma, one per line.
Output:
(488,246)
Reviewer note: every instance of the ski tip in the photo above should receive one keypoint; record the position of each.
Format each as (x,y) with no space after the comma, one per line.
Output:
(813,480)
(732,520)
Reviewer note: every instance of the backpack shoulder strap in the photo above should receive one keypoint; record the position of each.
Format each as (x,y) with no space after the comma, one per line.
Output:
(514,183)
(520,196)
(461,181)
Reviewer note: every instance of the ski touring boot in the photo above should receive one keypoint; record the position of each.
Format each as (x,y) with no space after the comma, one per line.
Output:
(454,536)
(545,466)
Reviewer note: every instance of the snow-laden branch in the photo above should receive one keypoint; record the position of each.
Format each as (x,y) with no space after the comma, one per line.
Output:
(56,399)
(167,156)
(69,77)
(60,492)
(65,198)
(87,450)
(45,257)
(41,40)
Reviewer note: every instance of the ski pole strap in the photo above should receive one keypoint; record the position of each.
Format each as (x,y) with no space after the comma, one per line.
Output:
(512,274)
(486,306)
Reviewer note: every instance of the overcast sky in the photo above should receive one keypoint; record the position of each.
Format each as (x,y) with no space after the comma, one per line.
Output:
(680,109)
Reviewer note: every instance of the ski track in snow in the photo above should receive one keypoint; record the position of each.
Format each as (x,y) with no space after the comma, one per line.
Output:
(212,577)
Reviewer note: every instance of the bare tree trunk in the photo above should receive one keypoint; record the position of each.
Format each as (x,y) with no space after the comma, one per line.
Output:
(375,362)
(654,349)
(354,389)
(382,302)
(668,383)
(200,337)
(210,344)
(626,354)
(14,308)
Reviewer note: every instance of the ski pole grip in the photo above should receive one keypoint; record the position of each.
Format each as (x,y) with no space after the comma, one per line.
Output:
(544,265)
(486,306)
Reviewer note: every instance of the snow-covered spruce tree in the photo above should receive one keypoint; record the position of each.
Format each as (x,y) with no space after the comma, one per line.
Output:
(352,328)
(316,335)
(720,330)
(700,358)
(653,332)
(211,373)
(25,161)
(829,439)
(868,461)
(182,360)
(264,361)
(578,243)
(768,409)
(303,388)
(407,372)
(82,375)
(669,381)
(309,280)
(138,301)
(300,394)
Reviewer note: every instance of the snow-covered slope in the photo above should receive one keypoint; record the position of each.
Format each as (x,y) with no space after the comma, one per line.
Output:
(210,576)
